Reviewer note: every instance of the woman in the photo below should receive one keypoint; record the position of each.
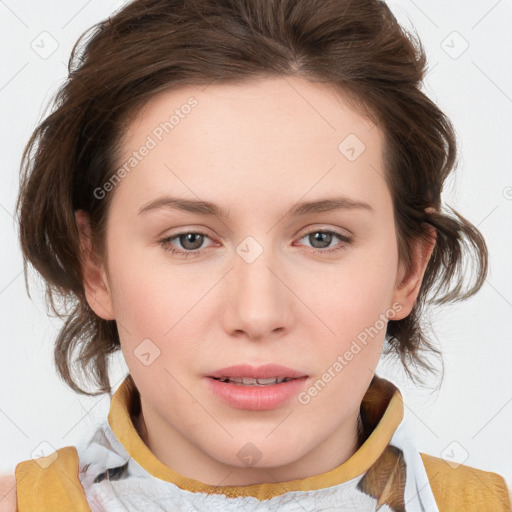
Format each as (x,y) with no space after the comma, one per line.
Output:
(199,157)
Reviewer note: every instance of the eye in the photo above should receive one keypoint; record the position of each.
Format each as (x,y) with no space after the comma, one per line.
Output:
(191,241)
(321,240)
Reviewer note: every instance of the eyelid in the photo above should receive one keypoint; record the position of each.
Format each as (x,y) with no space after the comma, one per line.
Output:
(319,227)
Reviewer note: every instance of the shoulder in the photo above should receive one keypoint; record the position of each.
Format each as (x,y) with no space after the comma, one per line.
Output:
(460,487)
(52,480)
(7,493)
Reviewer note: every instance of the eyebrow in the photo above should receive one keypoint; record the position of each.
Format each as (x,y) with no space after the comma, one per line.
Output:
(299,209)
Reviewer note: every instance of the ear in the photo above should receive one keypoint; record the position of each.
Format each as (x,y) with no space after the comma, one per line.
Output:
(407,286)
(96,285)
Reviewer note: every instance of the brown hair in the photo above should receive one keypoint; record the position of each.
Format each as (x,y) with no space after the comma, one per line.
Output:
(354,46)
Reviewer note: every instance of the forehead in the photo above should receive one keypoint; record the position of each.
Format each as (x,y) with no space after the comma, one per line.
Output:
(264,138)
(245,113)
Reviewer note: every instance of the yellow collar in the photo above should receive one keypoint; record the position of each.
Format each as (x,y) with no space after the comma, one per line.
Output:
(381,412)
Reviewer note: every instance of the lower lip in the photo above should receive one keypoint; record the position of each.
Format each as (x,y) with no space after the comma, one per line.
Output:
(256,398)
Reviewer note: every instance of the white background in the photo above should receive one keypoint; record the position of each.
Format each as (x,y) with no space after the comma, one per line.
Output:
(470,419)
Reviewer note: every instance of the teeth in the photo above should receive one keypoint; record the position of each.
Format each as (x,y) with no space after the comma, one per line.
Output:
(246,381)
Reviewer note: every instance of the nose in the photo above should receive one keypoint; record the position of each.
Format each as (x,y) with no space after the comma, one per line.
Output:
(258,301)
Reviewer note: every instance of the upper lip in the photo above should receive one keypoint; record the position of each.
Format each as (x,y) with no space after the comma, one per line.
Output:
(266,371)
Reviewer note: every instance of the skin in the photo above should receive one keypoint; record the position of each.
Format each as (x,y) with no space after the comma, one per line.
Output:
(255,149)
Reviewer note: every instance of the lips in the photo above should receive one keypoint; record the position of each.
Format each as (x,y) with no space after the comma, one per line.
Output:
(268,371)
(255,392)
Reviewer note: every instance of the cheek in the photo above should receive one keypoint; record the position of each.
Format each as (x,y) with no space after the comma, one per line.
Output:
(352,301)
(357,290)
(153,300)
(142,300)
(138,299)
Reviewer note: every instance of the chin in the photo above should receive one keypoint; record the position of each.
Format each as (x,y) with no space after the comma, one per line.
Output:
(257,455)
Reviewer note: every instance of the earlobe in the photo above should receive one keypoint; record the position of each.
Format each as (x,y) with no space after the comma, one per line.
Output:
(96,286)
(408,286)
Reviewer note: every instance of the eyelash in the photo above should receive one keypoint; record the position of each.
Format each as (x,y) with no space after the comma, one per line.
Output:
(167,247)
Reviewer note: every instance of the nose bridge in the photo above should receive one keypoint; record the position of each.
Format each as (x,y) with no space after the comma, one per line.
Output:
(252,268)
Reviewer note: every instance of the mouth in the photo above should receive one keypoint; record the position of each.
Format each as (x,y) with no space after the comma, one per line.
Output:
(256,389)
(247,381)
(265,375)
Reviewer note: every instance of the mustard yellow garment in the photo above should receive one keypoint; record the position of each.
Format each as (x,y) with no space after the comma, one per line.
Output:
(47,485)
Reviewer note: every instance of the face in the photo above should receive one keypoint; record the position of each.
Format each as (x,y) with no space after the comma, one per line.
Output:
(261,280)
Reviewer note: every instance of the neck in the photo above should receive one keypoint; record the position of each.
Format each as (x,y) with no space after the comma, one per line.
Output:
(187,459)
